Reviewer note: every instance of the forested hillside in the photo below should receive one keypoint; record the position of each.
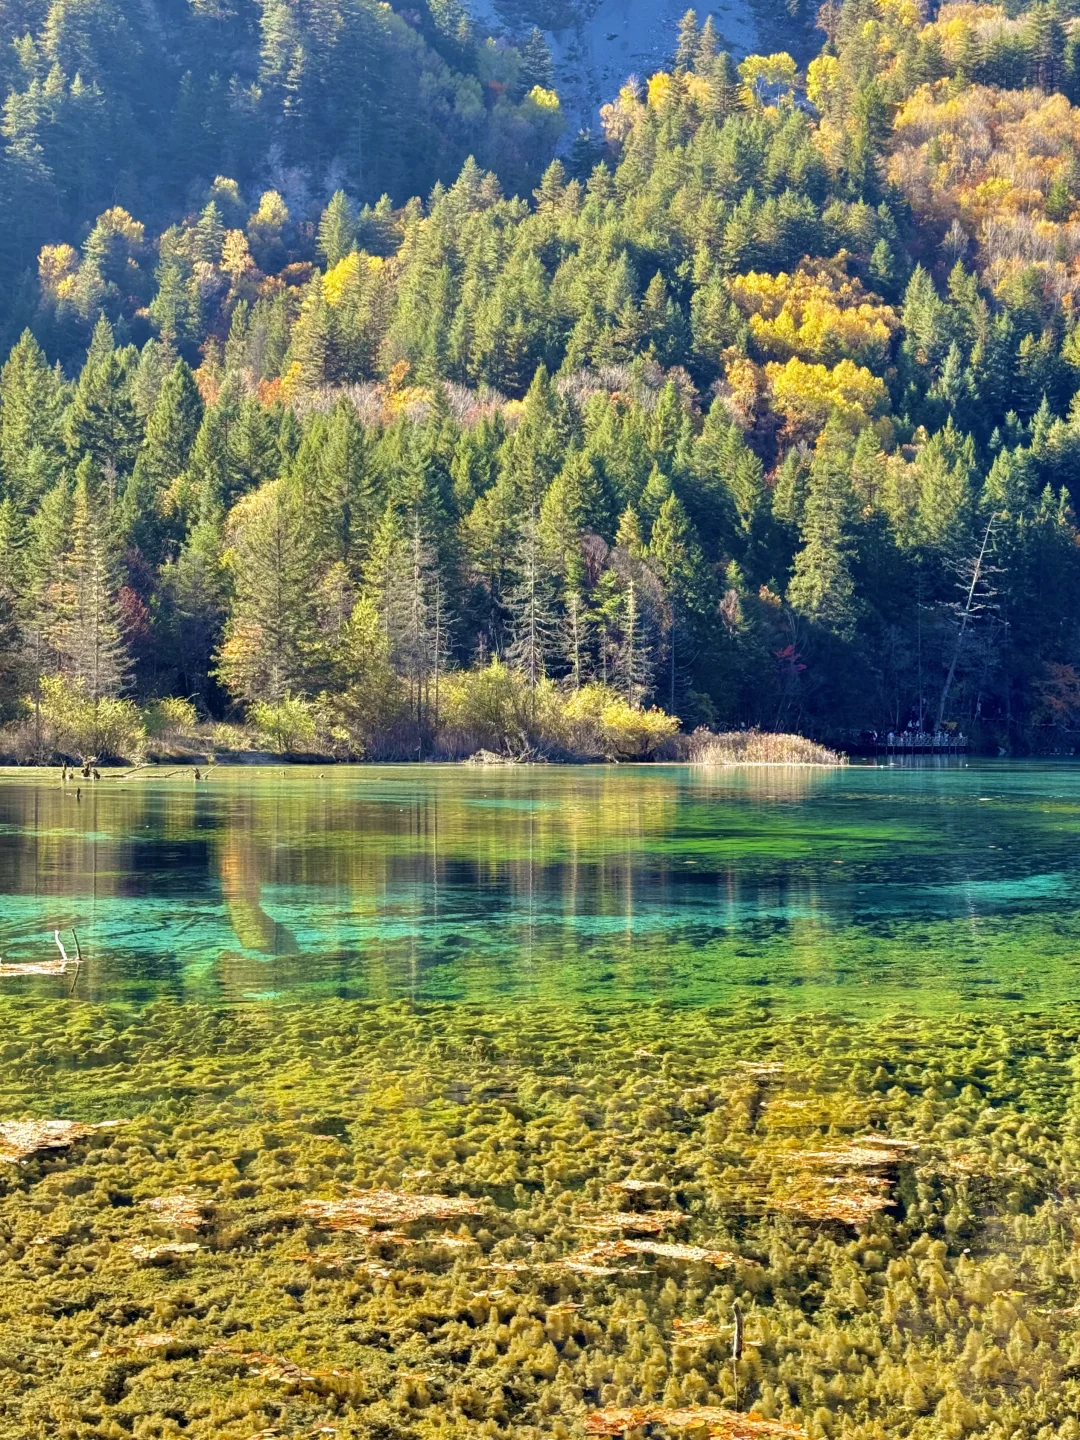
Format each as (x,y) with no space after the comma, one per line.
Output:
(758,407)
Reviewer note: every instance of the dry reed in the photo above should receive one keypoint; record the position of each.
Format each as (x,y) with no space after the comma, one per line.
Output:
(758,747)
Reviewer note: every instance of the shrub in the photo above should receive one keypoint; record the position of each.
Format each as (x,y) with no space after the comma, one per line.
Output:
(493,709)
(598,721)
(288,725)
(169,716)
(230,737)
(72,723)
(489,709)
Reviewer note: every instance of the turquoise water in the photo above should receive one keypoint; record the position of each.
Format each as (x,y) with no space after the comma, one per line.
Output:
(859,889)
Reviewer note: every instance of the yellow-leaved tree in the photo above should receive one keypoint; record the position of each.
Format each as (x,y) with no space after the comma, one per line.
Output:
(808,396)
(819,313)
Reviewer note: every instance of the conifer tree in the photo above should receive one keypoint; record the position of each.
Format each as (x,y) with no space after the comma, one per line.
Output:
(385,574)
(31,406)
(531,610)
(576,637)
(12,581)
(102,422)
(632,660)
(573,504)
(271,646)
(657,491)
(88,636)
(310,351)
(337,229)
(170,436)
(822,587)
(689,42)
(536,66)
(189,609)
(675,558)
(340,476)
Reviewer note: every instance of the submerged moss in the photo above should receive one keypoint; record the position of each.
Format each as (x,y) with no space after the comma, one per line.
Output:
(171,1276)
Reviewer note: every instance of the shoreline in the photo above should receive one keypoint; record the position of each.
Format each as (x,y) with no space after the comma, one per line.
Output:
(284,762)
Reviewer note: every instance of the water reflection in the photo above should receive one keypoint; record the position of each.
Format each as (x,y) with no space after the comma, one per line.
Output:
(439,882)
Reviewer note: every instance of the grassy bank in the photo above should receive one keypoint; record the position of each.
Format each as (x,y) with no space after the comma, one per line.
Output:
(616,1180)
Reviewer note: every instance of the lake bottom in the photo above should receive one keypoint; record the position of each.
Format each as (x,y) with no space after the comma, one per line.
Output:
(390,1220)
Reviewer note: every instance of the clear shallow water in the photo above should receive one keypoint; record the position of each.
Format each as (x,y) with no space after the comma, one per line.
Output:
(859,890)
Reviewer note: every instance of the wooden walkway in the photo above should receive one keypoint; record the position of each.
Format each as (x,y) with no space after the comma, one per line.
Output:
(916,742)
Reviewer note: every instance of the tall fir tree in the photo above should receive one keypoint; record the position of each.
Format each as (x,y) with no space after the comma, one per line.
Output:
(89,636)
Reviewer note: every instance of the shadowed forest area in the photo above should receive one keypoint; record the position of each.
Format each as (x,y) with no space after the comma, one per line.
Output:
(337,413)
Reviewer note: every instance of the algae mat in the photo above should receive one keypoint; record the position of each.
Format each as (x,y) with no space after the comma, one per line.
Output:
(431,1103)
(395,1221)
(864,889)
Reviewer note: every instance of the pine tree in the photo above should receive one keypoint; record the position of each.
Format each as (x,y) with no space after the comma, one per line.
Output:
(173,307)
(725,85)
(822,587)
(271,647)
(339,474)
(689,42)
(189,609)
(883,269)
(89,636)
(657,491)
(102,422)
(156,361)
(926,320)
(669,431)
(573,504)
(531,609)
(385,572)
(31,406)
(552,187)
(337,230)
(675,558)
(943,472)
(252,454)
(171,433)
(209,236)
(628,537)
(404,585)
(708,46)
(310,350)
(536,65)
(420,646)
(632,667)
(12,582)
(576,635)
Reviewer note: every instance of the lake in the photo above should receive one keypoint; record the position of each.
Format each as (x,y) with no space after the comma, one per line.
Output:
(437,1102)
(866,890)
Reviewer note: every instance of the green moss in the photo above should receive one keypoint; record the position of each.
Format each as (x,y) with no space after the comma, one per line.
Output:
(948,1314)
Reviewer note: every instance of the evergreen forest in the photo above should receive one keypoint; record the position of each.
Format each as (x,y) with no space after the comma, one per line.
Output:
(351,403)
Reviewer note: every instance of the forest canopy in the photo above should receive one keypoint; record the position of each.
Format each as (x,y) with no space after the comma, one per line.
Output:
(335,403)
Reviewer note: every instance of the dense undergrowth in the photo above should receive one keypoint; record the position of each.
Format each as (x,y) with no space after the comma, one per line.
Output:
(952,1313)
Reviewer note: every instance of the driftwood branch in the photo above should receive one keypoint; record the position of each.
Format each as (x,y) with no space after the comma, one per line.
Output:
(47,967)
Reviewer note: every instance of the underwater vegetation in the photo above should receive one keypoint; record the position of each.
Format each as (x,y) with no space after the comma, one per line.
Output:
(380,1220)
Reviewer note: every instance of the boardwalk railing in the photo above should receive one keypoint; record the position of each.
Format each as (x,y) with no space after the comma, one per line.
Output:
(920,742)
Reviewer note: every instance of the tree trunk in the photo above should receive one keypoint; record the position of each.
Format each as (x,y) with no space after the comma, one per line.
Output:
(965,620)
